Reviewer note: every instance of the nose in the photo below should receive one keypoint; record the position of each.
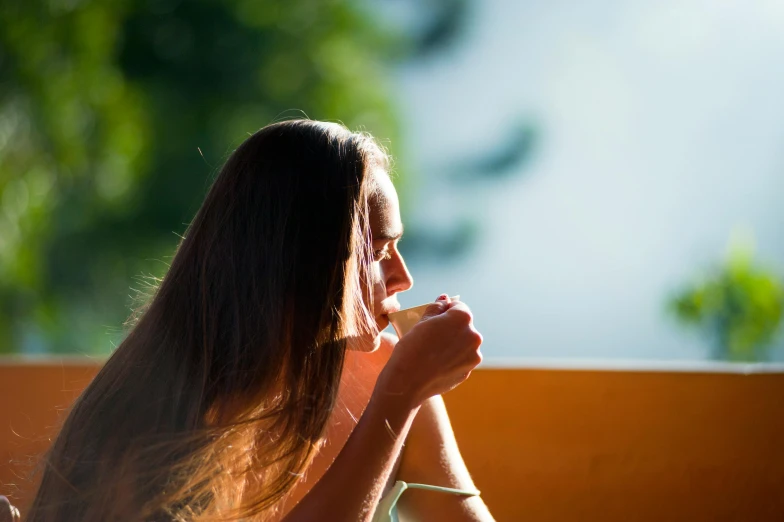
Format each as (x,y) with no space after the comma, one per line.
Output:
(396,274)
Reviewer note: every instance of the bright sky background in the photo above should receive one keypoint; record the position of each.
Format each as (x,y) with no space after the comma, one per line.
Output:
(662,129)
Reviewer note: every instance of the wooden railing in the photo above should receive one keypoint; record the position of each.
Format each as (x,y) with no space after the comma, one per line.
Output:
(698,443)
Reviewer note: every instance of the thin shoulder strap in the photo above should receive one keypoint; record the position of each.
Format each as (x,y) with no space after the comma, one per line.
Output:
(386,511)
(453,491)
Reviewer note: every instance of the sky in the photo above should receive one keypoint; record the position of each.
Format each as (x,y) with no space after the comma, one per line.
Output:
(661,130)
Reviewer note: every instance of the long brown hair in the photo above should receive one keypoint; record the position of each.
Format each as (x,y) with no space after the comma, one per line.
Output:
(219,394)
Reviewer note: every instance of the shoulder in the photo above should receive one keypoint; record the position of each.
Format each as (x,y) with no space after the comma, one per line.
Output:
(374,361)
(388,342)
(365,366)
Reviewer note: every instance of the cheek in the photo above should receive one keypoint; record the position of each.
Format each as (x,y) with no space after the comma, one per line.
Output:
(379,288)
(376,288)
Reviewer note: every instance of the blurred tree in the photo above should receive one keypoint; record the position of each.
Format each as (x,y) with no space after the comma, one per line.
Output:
(737,306)
(102,107)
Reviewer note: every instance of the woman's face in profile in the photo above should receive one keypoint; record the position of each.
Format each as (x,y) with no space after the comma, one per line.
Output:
(390,274)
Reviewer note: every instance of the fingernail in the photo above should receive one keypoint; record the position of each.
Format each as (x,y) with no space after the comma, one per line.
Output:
(442,297)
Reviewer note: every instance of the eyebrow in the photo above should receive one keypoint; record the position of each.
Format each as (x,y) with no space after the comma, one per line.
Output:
(389,235)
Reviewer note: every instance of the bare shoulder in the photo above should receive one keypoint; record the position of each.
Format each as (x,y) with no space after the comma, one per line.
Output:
(384,351)
(361,369)
(388,342)
(373,362)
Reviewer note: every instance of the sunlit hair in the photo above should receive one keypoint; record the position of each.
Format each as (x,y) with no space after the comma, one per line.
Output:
(220,393)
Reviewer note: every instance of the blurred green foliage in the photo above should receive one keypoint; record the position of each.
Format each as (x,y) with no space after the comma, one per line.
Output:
(738,306)
(103,104)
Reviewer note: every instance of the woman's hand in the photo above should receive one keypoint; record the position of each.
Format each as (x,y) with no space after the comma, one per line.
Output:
(435,356)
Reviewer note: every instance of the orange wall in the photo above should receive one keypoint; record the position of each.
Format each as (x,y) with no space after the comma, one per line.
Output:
(547,445)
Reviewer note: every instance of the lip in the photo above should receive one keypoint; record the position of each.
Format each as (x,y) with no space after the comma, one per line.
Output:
(390,310)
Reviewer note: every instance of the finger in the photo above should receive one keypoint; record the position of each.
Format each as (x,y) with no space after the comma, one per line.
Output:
(460,311)
(440,306)
(459,304)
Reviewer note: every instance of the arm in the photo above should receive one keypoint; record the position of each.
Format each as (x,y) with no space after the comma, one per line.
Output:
(431,456)
(435,356)
(351,488)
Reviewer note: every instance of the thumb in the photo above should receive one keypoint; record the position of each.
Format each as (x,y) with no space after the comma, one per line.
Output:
(437,308)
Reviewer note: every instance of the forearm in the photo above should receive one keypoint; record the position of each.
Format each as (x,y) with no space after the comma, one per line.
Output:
(352,486)
(431,456)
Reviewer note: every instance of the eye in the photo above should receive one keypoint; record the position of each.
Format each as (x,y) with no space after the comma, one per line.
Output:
(380,255)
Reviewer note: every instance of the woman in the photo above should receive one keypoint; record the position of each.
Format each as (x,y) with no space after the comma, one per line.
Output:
(228,399)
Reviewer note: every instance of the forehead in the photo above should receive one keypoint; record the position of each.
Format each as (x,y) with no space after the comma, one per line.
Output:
(384,207)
